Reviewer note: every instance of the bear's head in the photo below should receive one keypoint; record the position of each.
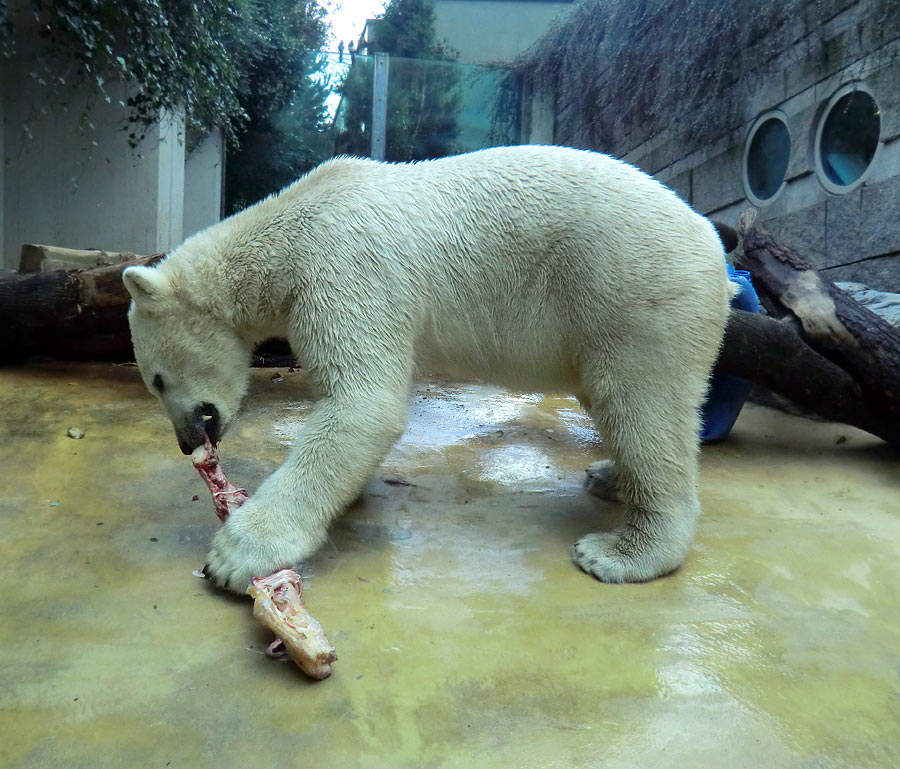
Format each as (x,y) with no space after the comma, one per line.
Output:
(194,363)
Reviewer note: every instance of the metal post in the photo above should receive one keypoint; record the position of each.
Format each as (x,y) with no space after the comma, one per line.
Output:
(379,105)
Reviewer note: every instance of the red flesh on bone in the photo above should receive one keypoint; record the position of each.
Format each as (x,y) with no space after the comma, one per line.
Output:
(226,496)
(277,602)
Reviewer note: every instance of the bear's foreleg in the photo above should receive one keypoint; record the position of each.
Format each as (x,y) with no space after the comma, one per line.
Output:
(345,438)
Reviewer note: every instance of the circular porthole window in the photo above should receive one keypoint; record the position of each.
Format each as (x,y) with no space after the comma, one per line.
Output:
(847,138)
(766,157)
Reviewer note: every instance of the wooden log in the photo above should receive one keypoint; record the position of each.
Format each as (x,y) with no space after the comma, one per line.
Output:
(837,362)
(833,323)
(39,258)
(67,315)
(82,315)
(773,354)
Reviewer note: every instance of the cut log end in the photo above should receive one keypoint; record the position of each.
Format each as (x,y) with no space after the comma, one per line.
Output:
(844,364)
(746,220)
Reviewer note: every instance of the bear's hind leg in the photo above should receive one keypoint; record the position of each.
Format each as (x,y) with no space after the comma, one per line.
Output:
(650,422)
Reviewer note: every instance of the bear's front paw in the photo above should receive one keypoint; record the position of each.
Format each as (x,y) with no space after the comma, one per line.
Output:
(626,555)
(252,545)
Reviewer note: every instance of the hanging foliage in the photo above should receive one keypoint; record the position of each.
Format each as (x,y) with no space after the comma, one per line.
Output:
(205,57)
(621,71)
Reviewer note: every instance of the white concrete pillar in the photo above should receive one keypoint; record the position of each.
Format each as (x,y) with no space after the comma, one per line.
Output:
(203,176)
(169,151)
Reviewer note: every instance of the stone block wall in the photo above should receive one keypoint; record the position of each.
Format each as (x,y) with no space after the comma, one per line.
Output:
(795,65)
(853,236)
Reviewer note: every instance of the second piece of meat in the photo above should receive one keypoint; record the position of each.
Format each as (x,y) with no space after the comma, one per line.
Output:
(226,496)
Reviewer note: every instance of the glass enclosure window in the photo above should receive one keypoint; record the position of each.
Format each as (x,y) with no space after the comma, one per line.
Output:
(438,108)
(766,158)
(847,138)
(353,112)
(434,109)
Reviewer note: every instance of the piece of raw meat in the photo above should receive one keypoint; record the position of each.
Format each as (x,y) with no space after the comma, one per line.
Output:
(276,598)
(277,604)
(226,497)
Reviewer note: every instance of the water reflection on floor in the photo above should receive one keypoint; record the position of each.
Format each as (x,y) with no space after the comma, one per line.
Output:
(466,637)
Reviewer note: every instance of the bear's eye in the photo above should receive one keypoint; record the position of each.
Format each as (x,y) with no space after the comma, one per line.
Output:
(159,384)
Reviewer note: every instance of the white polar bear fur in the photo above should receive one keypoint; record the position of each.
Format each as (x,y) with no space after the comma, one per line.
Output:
(538,268)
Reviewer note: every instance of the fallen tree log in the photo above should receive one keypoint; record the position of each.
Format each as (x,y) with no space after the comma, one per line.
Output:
(836,363)
(67,315)
(772,354)
(833,323)
(39,258)
(82,315)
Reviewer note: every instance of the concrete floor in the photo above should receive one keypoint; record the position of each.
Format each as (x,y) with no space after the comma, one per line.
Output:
(466,637)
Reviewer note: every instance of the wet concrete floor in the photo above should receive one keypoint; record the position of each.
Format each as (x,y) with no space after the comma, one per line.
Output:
(466,637)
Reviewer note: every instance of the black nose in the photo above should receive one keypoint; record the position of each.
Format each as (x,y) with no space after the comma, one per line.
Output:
(202,421)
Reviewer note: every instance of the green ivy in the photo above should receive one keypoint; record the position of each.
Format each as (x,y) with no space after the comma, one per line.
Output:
(621,71)
(205,57)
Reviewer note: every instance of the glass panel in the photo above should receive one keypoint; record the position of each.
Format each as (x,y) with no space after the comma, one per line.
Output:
(439,108)
(434,108)
(767,159)
(850,137)
(353,113)
(281,146)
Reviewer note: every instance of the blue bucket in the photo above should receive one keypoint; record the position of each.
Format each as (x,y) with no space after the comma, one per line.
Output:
(727,394)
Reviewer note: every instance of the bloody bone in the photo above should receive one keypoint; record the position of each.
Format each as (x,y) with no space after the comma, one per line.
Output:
(278,606)
(226,497)
(276,598)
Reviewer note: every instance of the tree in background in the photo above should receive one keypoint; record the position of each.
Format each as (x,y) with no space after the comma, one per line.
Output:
(423,90)
(242,66)
(279,146)
(171,56)
(286,132)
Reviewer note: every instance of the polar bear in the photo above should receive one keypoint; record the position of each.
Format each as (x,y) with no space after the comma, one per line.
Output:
(533,267)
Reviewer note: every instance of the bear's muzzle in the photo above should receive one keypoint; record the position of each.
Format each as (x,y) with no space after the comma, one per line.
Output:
(202,421)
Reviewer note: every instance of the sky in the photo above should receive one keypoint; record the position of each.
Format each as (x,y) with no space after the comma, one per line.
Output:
(348,17)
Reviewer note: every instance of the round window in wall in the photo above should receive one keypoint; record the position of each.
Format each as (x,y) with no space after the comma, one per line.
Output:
(847,138)
(766,158)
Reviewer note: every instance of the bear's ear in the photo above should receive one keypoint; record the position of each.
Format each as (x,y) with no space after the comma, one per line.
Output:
(145,284)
